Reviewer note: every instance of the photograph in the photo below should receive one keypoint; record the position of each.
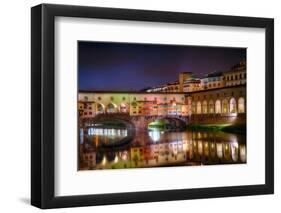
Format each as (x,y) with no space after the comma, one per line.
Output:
(138,105)
(142,105)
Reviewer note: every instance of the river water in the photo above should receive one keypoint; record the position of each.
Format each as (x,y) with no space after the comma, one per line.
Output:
(105,148)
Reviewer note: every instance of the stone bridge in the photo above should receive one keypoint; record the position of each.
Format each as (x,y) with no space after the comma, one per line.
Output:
(137,122)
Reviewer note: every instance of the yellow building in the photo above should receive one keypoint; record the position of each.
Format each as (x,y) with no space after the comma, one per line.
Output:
(191,85)
(236,76)
(145,104)
(213,80)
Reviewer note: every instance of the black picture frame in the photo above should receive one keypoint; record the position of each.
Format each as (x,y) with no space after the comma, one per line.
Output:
(43,111)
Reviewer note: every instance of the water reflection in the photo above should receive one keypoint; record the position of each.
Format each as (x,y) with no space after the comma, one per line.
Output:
(158,148)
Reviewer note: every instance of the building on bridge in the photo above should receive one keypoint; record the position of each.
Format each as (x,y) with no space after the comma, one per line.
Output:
(209,106)
(132,103)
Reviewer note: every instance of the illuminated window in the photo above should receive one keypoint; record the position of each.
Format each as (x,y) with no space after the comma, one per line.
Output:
(123,108)
(241,105)
(205,107)
(198,107)
(232,106)
(111,108)
(218,106)
(211,106)
(100,108)
(193,107)
(225,106)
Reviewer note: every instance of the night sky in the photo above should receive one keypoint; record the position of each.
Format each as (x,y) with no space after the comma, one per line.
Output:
(132,67)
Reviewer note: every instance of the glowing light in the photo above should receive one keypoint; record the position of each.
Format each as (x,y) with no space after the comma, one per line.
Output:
(124,155)
(104,161)
(81,136)
(233,114)
(116,159)
(155,135)
(243,153)
(234,151)
(219,150)
(200,147)
(234,143)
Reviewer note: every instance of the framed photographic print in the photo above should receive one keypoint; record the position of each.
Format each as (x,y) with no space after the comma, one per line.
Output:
(140,106)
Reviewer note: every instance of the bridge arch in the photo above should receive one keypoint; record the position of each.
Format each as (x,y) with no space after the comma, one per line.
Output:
(111,108)
(170,122)
(124,108)
(100,108)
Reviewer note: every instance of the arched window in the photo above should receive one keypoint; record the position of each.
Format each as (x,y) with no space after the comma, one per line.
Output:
(204,107)
(193,107)
(218,106)
(123,108)
(224,106)
(211,106)
(100,108)
(241,105)
(111,108)
(198,107)
(232,105)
